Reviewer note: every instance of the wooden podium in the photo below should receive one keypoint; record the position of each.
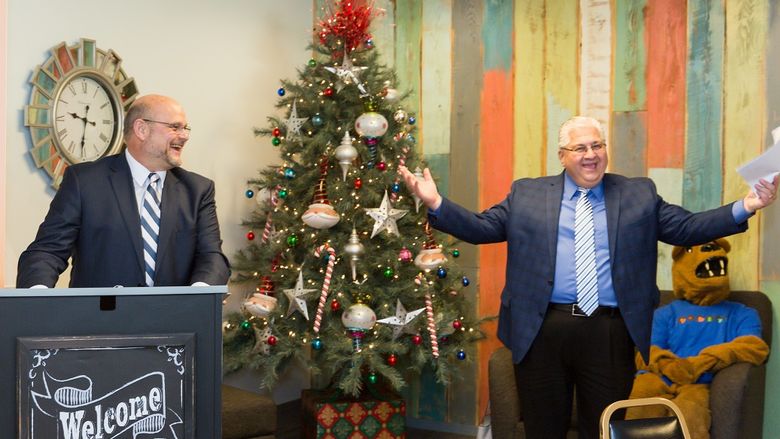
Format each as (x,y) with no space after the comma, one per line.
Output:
(111,362)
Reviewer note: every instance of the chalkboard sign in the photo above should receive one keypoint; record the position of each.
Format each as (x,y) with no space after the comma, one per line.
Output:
(106,387)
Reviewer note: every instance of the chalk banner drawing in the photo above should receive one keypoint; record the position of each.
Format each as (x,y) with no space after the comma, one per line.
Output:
(106,387)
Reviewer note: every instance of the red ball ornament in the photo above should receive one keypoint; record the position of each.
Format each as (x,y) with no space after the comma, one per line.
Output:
(457,324)
(416,339)
(271,340)
(276,132)
(392,359)
(405,255)
(381,166)
(358,183)
(335,305)
(250,236)
(328,92)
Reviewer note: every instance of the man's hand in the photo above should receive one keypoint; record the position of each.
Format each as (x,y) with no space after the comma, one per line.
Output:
(425,189)
(762,195)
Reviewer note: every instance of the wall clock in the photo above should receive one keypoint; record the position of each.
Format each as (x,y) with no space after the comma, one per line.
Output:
(78,101)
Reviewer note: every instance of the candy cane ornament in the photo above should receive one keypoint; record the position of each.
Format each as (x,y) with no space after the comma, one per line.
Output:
(325,283)
(401,162)
(420,280)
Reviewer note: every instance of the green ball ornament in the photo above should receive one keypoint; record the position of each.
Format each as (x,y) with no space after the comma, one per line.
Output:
(456,253)
(283,193)
(292,240)
(276,141)
(245,324)
(388,272)
(312,63)
(372,378)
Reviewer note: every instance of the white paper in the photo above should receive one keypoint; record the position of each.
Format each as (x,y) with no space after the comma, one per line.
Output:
(765,166)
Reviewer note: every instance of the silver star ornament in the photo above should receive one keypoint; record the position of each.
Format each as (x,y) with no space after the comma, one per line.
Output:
(295,296)
(385,217)
(348,74)
(401,320)
(294,123)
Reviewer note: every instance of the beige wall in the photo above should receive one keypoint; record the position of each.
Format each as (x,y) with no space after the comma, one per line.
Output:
(221,60)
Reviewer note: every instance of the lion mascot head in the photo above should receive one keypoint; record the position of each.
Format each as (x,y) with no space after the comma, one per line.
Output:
(700,273)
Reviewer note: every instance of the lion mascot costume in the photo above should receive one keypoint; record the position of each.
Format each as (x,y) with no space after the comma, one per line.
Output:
(695,336)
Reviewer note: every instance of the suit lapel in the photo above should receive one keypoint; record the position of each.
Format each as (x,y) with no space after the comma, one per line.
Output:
(168,209)
(122,184)
(612,204)
(553,213)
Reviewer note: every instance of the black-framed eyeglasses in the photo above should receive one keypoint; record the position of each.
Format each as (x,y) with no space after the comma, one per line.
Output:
(177,127)
(582,149)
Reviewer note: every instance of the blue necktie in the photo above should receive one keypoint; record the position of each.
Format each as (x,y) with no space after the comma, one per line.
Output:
(150,226)
(585,255)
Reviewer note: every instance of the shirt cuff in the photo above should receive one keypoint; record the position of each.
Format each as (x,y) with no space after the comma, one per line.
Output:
(434,212)
(200,284)
(739,212)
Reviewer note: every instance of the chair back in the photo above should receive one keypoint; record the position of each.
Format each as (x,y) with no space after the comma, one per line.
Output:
(667,427)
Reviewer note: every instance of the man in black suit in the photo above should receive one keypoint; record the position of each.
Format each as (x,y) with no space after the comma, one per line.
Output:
(556,344)
(95,217)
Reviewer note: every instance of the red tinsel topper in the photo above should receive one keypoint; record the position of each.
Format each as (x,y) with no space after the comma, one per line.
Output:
(349,24)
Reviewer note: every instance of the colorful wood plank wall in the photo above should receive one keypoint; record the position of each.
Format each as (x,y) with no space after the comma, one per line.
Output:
(686,89)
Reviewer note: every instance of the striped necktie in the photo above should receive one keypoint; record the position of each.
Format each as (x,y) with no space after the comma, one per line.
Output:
(150,226)
(585,255)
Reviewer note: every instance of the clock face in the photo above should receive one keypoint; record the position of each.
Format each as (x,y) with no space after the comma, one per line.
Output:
(78,101)
(85,119)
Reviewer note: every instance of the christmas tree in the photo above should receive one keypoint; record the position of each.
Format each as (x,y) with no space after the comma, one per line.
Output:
(350,279)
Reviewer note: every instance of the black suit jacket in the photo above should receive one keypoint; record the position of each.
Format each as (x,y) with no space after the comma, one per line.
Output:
(637,218)
(94,219)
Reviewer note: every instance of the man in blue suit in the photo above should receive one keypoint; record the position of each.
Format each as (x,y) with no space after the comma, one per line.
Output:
(95,217)
(556,346)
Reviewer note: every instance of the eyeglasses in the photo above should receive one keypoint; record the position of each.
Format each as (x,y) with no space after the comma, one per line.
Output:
(582,149)
(177,127)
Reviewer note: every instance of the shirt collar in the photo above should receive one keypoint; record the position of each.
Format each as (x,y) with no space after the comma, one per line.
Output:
(139,171)
(570,188)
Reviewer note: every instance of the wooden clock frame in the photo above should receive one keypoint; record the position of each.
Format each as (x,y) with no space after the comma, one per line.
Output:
(86,59)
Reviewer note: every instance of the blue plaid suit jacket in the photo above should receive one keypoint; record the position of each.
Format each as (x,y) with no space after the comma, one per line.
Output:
(527,219)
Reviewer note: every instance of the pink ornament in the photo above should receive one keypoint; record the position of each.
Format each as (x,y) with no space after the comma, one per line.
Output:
(405,255)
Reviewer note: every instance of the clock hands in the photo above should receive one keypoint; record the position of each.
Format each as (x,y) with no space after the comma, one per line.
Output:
(86,121)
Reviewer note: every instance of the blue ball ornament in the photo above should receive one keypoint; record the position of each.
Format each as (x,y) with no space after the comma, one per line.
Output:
(289,173)
(441,272)
(316,344)
(395,188)
(412,120)
(461,355)
(369,43)
(249,193)
(317,121)
(465,281)
(281,91)
(410,138)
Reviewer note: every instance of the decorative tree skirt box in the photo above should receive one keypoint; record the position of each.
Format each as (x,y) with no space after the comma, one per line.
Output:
(330,416)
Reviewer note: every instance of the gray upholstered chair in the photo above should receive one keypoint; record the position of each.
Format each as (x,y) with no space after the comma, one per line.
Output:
(736,393)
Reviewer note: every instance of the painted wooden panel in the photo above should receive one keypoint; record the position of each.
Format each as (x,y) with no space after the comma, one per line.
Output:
(495,159)
(628,150)
(703,176)
(668,181)
(383,31)
(630,66)
(744,101)
(770,218)
(772,396)
(529,148)
(464,152)
(436,76)
(561,72)
(408,16)
(666,21)
(595,62)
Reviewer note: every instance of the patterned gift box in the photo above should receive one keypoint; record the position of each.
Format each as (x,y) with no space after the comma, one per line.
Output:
(327,416)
